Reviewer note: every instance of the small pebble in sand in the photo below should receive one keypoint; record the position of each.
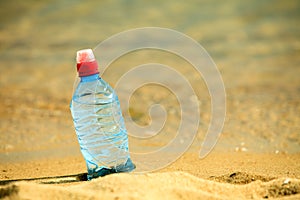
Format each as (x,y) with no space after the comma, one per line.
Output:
(286,181)
(277,151)
(244,149)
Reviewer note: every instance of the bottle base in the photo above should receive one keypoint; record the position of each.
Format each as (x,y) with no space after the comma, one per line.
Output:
(127,167)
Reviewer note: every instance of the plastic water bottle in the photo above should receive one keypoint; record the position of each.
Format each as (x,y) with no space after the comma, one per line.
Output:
(98,121)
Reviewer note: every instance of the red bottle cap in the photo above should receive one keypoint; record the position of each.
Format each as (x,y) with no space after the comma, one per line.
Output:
(86,63)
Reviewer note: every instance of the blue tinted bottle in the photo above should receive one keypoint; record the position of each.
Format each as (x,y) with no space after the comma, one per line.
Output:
(98,121)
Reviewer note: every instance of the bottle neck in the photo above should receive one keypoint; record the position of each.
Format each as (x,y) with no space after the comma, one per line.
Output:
(89,78)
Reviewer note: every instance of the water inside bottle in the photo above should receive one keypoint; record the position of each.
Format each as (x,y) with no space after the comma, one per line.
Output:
(100,129)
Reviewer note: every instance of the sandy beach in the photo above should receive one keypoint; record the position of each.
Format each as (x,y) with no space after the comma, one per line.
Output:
(219,176)
(255,46)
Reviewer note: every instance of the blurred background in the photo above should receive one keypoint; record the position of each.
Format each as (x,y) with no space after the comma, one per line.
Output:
(255,45)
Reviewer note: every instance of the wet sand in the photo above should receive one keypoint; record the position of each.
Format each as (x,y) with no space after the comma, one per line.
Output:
(255,46)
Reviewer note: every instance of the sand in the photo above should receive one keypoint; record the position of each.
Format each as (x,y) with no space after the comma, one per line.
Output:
(256,47)
(176,185)
(219,176)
